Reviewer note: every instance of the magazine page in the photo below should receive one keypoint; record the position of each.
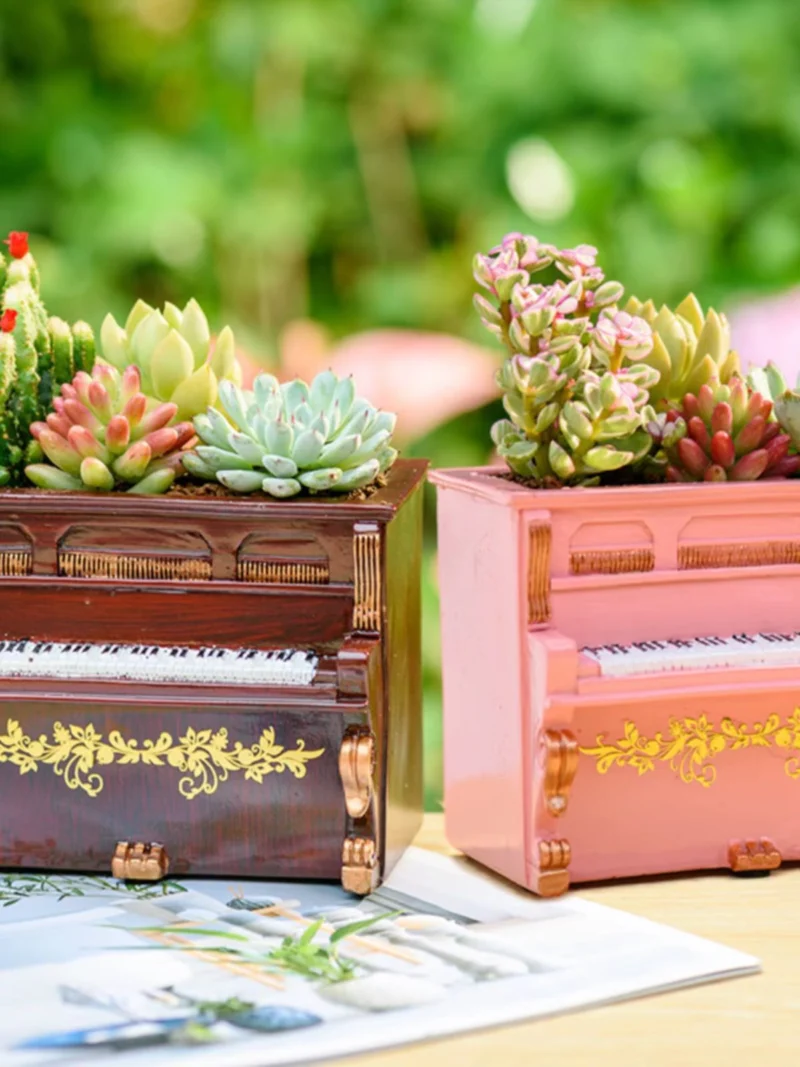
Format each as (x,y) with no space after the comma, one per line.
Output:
(256,974)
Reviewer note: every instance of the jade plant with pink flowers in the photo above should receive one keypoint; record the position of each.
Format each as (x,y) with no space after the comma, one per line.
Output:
(595,391)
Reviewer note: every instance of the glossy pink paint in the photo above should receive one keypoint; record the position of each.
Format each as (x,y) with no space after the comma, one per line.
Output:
(506,681)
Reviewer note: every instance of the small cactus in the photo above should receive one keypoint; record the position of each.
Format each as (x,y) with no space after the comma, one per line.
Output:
(37,355)
(103,433)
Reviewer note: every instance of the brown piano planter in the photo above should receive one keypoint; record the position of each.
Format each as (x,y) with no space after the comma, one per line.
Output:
(321,781)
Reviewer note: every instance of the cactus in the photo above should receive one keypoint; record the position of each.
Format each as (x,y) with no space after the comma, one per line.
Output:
(690,349)
(724,433)
(172,349)
(37,355)
(281,439)
(103,432)
(574,386)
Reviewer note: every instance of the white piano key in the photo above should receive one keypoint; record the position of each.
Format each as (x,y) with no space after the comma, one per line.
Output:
(152,663)
(655,657)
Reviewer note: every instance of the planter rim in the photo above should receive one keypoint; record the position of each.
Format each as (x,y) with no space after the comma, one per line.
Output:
(403,476)
(485,482)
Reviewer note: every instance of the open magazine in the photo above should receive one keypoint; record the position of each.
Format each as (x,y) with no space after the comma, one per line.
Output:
(96,972)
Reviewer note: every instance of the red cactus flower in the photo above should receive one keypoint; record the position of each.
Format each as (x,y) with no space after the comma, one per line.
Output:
(17,244)
(8,320)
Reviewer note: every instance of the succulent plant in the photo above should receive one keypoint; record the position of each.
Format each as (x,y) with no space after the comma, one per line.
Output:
(37,354)
(172,349)
(103,432)
(282,439)
(786,401)
(574,385)
(690,349)
(724,433)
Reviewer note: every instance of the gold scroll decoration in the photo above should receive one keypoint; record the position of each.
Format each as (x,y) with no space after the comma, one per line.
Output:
(539,538)
(73,563)
(689,746)
(611,560)
(368,591)
(203,756)
(560,764)
(356,767)
(755,554)
(295,572)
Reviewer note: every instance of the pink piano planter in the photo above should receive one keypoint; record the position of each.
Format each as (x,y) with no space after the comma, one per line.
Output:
(556,771)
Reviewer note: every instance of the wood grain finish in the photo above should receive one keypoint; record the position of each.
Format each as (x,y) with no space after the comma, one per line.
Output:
(367,682)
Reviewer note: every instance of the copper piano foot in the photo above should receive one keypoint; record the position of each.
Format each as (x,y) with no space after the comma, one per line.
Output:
(552,878)
(139,861)
(359,866)
(753,857)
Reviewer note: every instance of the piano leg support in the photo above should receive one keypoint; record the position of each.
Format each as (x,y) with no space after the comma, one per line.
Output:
(552,877)
(753,858)
(359,866)
(139,861)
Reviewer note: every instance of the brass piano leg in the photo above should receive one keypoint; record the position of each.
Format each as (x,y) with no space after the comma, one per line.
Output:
(553,876)
(753,857)
(139,861)
(359,865)
(359,851)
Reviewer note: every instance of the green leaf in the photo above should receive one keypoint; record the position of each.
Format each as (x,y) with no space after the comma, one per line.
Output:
(362,924)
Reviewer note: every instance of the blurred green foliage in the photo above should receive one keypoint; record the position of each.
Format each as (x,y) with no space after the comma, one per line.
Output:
(343,159)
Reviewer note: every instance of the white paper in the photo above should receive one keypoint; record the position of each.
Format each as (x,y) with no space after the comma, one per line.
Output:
(184,968)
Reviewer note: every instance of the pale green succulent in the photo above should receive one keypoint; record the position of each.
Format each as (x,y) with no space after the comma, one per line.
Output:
(690,349)
(282,439)
(171,348)
(786,401)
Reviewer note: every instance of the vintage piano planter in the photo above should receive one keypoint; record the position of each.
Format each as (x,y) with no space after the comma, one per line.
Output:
(621,656)
(315,776)
(557,772)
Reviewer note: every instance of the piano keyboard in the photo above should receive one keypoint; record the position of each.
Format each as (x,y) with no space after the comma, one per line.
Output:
(697,653)
(156,663)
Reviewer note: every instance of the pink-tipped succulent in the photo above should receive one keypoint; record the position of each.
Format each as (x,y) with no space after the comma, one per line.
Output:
(104,433)
(724,433)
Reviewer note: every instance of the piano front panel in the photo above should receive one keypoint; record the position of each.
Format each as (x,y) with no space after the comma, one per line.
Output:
(230,614)
(664,785)
(241,787)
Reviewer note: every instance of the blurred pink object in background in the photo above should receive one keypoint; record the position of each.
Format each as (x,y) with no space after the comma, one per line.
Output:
(769,330)
(426,378)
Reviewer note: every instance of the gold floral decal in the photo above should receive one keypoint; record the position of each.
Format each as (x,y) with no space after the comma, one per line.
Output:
(203,756)
(691,745)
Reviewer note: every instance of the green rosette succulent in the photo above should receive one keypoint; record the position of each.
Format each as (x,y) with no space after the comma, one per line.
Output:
(104,433)
(283,438)
(691,348)
(37,355)
(172,349)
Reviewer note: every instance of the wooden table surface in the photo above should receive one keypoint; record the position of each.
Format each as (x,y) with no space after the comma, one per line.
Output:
(726,1023)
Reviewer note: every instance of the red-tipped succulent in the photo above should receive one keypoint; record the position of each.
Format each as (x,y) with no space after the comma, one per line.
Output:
(103,432)
(725,433)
